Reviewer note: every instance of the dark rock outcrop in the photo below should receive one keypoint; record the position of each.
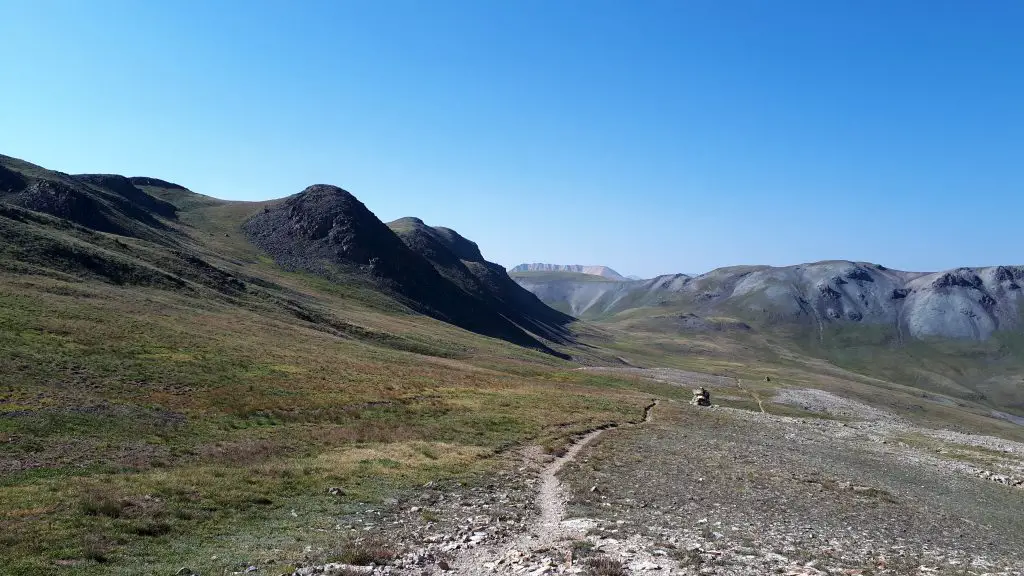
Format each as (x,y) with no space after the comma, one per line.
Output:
(326,230)
(125,188)
(961,277)
(459,260)
(11,181)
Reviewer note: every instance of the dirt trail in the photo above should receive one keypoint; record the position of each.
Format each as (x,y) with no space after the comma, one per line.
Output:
(753,394)
(548,529)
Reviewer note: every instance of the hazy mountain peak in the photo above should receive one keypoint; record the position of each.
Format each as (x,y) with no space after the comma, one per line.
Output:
(593,270)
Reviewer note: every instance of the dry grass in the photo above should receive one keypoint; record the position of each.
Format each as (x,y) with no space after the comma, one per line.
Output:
(365,552)
(604,566)
(99,503)
(398,455)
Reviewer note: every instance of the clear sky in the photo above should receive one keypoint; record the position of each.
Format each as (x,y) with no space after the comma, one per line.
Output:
(650,136)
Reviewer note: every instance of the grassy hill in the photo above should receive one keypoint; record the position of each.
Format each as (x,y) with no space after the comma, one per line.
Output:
(171,394)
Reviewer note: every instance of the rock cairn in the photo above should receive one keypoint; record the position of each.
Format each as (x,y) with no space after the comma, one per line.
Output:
(701,397)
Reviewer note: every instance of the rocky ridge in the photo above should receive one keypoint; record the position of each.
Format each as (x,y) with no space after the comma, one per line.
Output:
(327,231)
(459,260)
(324,230)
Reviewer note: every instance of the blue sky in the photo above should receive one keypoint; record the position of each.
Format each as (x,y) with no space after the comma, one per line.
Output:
(653,136)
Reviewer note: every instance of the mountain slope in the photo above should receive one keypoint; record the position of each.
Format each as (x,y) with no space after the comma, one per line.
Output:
(326,230)
(459,260)
(146,232)
(96,226)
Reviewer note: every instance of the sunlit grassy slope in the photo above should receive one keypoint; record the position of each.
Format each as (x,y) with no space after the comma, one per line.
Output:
(152,418)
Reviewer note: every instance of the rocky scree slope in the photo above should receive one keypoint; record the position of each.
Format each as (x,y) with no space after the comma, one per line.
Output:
(325,230)
(603,271)
(965,303)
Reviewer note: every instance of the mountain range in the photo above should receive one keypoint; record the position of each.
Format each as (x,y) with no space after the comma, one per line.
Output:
(964,303)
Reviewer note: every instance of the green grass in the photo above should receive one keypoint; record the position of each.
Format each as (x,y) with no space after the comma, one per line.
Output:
(984,373)
(934,384)
(154,430)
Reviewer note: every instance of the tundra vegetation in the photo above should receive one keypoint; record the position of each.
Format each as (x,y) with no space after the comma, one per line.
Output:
(190,382)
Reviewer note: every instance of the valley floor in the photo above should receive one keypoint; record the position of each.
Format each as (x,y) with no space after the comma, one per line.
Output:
(723,491)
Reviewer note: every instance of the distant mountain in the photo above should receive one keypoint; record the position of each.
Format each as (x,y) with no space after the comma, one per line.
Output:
(965,303)
(581,295)
(574,268)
